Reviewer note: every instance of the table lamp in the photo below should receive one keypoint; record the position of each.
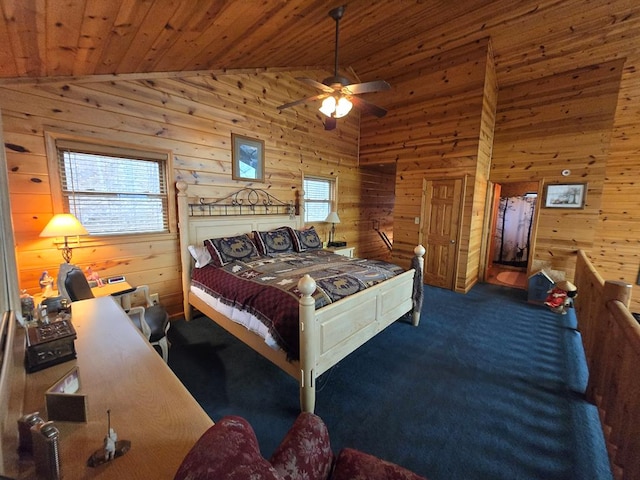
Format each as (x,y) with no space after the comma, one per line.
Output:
(64,225)
(333,219)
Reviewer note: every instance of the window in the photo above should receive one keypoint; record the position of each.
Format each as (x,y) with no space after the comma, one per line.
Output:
(113,190)
(319,197)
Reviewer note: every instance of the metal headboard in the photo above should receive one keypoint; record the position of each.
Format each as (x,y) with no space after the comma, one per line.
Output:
(247,201)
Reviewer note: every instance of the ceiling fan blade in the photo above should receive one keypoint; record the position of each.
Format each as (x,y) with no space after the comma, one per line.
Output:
(330,123)
(303,100)
(366,87)
(315,84)
(368,107)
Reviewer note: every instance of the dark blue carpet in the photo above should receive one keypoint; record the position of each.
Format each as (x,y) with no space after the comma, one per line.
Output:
(487,387)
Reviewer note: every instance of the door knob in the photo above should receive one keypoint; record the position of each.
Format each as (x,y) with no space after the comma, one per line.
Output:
(452,241)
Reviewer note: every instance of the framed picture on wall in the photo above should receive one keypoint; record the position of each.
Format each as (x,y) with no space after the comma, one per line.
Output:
(565,195)
(247,158)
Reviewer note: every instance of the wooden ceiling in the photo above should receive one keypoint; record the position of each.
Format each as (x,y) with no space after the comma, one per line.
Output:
(530,39)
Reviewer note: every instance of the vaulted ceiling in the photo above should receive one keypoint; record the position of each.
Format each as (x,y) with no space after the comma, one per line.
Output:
(530,39)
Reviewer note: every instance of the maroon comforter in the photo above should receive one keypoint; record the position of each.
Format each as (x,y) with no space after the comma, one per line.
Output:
(267,287)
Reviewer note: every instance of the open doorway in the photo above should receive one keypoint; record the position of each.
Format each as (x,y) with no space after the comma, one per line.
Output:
(514,210)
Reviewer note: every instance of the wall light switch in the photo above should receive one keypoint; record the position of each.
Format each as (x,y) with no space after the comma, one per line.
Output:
(416,220)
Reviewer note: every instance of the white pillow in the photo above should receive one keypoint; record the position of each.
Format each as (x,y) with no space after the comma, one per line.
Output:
(200,254)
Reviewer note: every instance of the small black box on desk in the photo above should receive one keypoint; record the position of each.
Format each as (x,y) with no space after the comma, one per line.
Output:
(49,344)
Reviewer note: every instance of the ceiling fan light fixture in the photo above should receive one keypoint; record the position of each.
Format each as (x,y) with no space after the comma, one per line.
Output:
(343,107)
(338,93)
(328,106)
(336,108)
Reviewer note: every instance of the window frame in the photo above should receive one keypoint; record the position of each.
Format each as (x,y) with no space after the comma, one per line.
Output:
(333,194)
(53,137)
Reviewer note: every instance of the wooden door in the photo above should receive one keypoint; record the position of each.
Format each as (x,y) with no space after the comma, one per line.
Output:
(442,201)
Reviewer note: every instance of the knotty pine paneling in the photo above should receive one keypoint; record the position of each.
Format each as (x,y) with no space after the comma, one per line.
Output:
(440,126)
(193,117)
(476,241)
(377,189)
(566,124)
(616,250)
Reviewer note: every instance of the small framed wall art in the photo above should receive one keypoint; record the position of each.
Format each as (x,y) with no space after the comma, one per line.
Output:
(565,195)
(247,157)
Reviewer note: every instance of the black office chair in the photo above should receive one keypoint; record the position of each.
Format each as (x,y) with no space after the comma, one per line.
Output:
(77,285)
(152,320)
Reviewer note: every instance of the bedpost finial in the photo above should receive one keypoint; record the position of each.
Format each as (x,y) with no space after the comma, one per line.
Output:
(419,251)
(306,285)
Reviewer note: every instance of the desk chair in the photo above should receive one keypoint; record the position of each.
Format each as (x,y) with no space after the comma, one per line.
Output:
(152,320)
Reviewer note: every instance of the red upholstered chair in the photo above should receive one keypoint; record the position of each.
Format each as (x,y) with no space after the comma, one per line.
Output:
(229,450)
(305,451)
(355,465)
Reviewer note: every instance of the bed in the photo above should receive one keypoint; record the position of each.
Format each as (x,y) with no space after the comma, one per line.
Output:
(326,335)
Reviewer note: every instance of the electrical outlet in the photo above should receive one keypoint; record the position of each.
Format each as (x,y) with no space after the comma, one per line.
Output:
(155,299)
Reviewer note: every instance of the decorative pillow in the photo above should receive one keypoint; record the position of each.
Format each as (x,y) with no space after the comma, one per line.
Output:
(200,254)
(307,239)
(228,249)
(274,241)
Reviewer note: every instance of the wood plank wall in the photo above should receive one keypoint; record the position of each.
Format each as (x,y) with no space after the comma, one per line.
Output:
(477,242)
(192,117)
(439,125)
(616,250)
(560,122)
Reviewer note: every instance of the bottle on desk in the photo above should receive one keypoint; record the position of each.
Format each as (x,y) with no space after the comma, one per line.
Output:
(46,450)
(25,423)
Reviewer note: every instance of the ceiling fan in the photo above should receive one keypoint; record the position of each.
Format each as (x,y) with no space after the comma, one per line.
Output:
(338,93)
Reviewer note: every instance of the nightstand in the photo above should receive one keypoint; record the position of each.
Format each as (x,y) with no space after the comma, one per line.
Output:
(344,251)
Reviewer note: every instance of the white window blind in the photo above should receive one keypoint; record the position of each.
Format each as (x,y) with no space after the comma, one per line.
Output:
(114,190)
(318,198)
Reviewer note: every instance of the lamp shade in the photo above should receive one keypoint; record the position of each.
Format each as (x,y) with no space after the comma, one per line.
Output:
(333,218)
(63,225)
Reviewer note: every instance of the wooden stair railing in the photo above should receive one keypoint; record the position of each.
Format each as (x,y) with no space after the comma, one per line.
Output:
(611,339)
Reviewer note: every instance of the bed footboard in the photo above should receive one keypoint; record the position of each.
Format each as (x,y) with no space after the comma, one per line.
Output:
(331,333)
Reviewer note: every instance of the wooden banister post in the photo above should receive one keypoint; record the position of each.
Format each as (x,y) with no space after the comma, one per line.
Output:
(617,290)
(602,347)
(308,343)
(185,260)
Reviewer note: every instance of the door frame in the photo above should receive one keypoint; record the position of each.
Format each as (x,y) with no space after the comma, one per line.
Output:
(491,215)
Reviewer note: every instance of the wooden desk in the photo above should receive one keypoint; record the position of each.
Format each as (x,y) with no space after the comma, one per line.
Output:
(111,289)
(120,371)
(108,289)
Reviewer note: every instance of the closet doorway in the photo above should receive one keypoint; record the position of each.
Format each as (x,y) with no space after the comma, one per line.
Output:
(511,236)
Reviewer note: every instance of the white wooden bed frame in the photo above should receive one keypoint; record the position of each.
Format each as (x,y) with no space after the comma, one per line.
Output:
(327,335)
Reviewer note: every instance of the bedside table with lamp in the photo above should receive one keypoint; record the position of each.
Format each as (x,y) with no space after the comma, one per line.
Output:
(339,248)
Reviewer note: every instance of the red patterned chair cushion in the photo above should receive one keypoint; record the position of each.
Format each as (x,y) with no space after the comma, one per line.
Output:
(355,465)
(229,450)
(305,452)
